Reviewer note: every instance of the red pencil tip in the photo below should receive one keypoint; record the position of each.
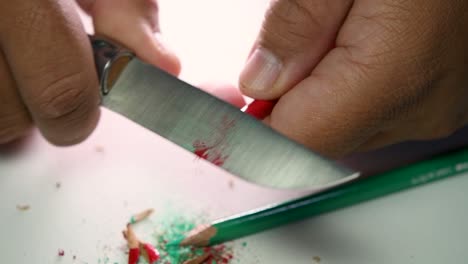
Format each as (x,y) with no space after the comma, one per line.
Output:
(260,108)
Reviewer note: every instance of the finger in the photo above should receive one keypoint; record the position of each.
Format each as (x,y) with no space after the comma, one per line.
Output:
(134,23)
(50,57)
(14,117)
(86,5)
(225,92)
(294,37)
(359,88)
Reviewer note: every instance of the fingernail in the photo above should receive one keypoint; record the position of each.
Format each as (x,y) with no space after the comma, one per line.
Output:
(261,71)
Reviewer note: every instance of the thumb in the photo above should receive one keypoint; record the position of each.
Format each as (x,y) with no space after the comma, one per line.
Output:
(295,35)
(134,24)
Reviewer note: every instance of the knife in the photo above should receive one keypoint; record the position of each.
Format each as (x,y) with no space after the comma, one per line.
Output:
(206,126)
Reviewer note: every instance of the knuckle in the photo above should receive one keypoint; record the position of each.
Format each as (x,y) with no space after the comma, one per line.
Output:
(361,66)
(382,33)
(290,25)
(63,96)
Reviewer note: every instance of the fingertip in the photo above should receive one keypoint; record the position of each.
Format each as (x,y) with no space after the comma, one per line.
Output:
(174,65)
(286,51)
(68,110)
(260,76)
(154,49)
(134,25)
(66,117)
(224,91)
(71,132)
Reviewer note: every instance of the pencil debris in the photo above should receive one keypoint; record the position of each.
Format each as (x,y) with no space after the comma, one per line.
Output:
(198,259)
(137,247)
(23,207)
(168,228)
(99,149)
(136,218)
(174,254)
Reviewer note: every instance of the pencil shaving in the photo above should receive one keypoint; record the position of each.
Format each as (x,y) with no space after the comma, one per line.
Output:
(99,149)
(23,207)
(198,260)
(141,216)
(137,248)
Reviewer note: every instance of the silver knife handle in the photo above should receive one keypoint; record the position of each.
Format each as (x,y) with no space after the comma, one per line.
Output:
(110,60)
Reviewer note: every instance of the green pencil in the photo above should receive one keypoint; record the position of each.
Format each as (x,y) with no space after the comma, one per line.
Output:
(349,194)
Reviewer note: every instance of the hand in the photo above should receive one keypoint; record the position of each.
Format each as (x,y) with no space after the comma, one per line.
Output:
(358,75)
(46,63)
(134,24)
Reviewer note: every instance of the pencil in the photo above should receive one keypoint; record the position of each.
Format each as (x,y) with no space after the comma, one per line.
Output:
(260,108)
(251,222)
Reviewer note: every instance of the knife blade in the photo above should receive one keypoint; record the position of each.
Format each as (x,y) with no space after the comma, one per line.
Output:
(206,126)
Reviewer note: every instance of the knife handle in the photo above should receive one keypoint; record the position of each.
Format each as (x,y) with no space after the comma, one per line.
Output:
(110,59)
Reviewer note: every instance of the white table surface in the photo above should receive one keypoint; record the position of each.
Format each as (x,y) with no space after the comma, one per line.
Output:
(123,168)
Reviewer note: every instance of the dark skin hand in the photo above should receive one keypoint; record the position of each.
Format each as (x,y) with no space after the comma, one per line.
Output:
(47,68)
(358,75)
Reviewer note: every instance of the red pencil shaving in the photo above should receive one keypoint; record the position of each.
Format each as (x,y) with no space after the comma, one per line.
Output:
(137,248)
(198,260)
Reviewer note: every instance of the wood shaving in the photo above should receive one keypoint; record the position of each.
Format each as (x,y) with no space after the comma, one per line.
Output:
(99,149)
(23,207)
(198,260)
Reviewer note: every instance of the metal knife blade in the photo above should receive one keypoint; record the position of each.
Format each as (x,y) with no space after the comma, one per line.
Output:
(207,126)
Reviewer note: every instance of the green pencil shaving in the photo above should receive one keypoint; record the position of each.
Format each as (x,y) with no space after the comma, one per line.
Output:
(251,222)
